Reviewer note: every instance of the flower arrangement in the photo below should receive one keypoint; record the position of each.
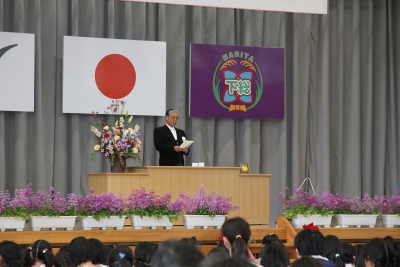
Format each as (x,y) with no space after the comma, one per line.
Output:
(116,141)
(27,203)
(207,203)
(390,204)
(303,203)
(50,203)
(14,207)
(101,206)
(143,203)
(356,205)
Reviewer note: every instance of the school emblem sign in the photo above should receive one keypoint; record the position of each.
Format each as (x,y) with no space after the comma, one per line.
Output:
(236,82)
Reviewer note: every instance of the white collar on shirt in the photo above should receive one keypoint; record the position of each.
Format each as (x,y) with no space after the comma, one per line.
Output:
(173,131)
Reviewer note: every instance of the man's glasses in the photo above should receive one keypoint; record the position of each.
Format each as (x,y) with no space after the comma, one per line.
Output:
(174,118)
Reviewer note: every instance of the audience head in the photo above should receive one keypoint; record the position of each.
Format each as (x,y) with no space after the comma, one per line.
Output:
(42,252)
(396,246)
(61,260)
(333,250)
(275,255)
(215,255)
(79,251)
(227,262)
(177,254)
(347,249)
(309,242)
(10,254)
(236,235)
(306,261)
(121,256)
(268,239)
(193,240)
(143,254)
(389,239)
(97,247)
(106,252)
(376,253)
(63,249)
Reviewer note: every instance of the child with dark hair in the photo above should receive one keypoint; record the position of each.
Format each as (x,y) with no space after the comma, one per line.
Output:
(269,239)
(357,253)
(80,252)
(42,253)
(98,248)
(177,254)
(309,242)
(121,256)
(106,252)
(333,250)
(143,254)
(10,254)
(229,262)
(376,253)
(275,255)
(306,261)
(347,254)
(236,235)
(61,260)
(266,241)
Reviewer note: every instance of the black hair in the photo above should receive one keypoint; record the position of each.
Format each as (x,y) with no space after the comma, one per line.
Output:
(359,252)
(270,238)
(306,261)
(42,251)
(26,258)
(275,255)
(347,253)
(237,231)
(377,252)
(389,239)
(106,252)
(143,254)
(309,242)
(10,252)
(63,249)
(121,256)
(227,262)
(61,260)
(333,250)
(193,240)
(177,254)
(396,246)
(97,247)
(79,251)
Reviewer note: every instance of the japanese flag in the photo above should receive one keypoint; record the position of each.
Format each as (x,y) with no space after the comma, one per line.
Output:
(17,71)
(97,70)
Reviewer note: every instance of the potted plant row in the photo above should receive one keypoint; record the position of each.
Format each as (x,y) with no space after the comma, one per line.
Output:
(146,209)
(304,208)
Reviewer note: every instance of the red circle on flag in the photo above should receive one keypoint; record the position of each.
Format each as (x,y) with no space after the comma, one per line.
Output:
(115,76)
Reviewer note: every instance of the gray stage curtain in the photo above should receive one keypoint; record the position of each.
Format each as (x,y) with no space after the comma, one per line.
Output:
(342,108)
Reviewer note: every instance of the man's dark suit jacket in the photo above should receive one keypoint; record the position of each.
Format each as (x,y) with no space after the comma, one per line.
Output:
(164,142)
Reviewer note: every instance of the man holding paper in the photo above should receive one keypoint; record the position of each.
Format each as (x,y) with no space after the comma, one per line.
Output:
(168,140)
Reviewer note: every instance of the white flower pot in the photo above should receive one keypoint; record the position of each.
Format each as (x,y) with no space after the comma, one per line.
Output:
(39,222)
(390,220)
(150,222)
(316,219)
(12,223)
(346,220)
(113,222)
(190,221)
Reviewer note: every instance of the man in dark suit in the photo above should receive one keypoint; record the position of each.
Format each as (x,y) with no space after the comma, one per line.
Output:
(167,140)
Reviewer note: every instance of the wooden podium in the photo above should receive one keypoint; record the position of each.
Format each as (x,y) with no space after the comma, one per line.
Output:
(249,191)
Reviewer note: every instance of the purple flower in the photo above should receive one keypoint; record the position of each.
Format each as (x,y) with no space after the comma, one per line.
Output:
(207,203)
